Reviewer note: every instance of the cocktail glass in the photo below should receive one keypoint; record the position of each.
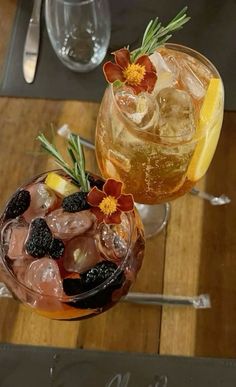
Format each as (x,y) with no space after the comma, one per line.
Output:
(160,144)
(84,274)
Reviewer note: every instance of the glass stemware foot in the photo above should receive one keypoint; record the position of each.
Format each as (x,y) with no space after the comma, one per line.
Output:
(154,217)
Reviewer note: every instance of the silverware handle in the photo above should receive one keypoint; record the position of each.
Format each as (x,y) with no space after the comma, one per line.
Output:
(199,302)
(35,16)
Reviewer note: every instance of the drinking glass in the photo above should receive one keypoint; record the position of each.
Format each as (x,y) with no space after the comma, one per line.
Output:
(159,145)
(115,251)
(79,31)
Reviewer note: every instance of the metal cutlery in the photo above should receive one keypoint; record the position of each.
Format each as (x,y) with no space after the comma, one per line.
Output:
(31,48)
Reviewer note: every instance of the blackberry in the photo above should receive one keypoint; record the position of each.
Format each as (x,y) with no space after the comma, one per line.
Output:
(98,274)
(40,239)
(72,286)
(96,182)
(18,204)
(91,279)
(75,202)
(57,248)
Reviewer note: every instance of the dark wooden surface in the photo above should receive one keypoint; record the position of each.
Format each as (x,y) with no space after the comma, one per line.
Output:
(195,254)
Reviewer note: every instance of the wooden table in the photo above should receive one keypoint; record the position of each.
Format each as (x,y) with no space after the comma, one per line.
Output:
(195,254)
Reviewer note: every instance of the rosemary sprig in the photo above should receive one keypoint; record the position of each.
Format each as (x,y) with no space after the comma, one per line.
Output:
(77,170)
(156,35)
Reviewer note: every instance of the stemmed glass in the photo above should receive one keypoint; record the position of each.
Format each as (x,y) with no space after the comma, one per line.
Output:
(161,144)
(79,31)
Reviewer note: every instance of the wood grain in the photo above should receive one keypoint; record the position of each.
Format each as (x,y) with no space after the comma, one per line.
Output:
(196,254)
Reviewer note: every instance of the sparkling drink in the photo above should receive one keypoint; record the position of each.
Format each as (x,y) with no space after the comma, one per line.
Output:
(160,144)
(58,258)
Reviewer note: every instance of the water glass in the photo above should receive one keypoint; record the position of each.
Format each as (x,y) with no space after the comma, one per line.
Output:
(79,31)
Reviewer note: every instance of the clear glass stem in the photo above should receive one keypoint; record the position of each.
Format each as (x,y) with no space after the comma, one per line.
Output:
(154,217)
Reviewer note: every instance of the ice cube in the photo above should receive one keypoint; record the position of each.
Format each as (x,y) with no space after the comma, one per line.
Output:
(201,71)
(176,114)
(81,254)
(14,235)
(113,240)
(191,82)
(111,170)
(43,276)
(141,109)
(19,268)
(67,225)
(119,160)
(173,65)
(166,76)
(42,200)
(16,244)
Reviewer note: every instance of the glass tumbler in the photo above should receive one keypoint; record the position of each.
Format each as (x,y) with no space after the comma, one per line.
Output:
(79,31)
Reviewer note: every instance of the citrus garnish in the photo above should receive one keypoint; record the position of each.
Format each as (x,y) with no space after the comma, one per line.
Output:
(208,130)
(60,184)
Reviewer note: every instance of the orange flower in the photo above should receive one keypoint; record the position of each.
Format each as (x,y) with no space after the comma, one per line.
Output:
(108,204)
(140,75)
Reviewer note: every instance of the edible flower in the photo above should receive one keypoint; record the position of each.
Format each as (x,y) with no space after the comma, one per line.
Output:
(139,75)
(108,204)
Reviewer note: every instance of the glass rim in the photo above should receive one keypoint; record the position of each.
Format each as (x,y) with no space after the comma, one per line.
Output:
(77,297)
(202,59)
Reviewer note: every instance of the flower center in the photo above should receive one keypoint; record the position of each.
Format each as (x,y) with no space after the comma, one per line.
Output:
(108,205)
(134,73)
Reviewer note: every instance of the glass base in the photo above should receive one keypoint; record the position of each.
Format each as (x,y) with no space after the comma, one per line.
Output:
(154,217)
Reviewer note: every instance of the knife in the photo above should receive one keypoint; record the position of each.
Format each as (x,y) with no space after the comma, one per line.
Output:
(31,48)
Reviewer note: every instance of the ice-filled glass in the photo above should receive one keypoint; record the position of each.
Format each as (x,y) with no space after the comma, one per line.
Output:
(57,258)
(160,144)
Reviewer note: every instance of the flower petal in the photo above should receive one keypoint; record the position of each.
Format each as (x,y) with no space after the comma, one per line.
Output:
(148,83)
(113,218)
(145,61)
(126,202)
(113,72)
(113,187)
(95,197)
(122,57)
(98,213)
(136,88)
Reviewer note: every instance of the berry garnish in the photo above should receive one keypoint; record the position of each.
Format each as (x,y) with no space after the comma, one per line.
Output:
(75,202)
(57,248)
(72,286)
(40,239)
(18,204)
(98,274)
(95,182)
(91,279)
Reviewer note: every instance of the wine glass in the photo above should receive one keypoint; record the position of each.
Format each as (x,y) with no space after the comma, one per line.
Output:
(79,31)
(160,144)
(86,267)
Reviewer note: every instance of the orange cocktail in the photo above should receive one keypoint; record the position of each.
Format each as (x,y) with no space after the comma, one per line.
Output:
(160,143)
